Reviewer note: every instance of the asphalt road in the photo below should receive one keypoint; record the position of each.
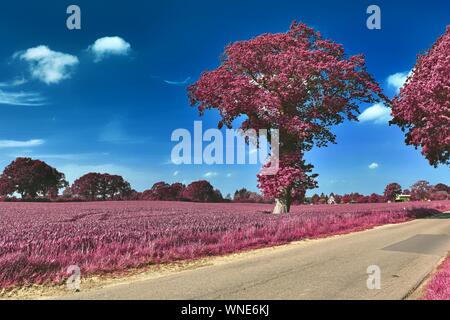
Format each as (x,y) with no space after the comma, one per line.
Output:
(333,268)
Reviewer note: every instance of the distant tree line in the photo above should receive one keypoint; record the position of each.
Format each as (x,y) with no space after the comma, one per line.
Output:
(34,180)
(420,191)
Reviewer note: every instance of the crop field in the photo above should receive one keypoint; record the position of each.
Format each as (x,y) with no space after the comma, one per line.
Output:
(39,241)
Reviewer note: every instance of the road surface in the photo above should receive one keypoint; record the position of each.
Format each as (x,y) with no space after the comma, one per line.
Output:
(333,268)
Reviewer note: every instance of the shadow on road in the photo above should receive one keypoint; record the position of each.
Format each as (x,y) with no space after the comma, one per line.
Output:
(427,213)
(445,215)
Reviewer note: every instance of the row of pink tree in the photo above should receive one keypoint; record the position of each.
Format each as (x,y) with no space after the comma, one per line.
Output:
(245,196)
(197,191)
(302,84)
(354,197)
(33,179)
(419,191)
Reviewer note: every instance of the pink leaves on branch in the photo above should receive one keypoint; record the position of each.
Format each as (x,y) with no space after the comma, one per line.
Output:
(422,108)
(296,82)
(292,177)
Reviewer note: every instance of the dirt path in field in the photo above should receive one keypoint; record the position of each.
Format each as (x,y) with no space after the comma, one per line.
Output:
(330,268)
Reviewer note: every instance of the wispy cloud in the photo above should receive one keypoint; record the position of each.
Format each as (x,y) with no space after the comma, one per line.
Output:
(108,46)
(70,156)
(176,173)
(13,83)
(21,98)
(47,65)
(57,156)
(210,174)
(378,113)
(398,80)
(173,82)
(178,83)
(374,166)
(21,144)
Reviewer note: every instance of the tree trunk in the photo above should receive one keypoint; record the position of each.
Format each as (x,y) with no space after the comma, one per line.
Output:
(280,207)
(283,205)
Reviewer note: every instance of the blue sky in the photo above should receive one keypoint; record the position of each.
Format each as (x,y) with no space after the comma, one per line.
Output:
(83,102)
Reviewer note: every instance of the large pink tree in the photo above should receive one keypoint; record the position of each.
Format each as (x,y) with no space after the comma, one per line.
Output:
(296,82)
(422,109)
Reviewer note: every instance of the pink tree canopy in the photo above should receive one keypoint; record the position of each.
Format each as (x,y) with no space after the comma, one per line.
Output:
(296,82)
(31,178)
(422,109)
(392,190)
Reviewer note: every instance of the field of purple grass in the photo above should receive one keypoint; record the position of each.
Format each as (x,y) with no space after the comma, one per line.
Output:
(39,241)
(439,286)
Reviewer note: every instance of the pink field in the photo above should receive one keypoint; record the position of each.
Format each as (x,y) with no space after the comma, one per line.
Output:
(39,241)
(439,286)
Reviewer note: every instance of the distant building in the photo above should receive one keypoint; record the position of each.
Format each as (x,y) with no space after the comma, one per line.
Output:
(403,198)
(331,200)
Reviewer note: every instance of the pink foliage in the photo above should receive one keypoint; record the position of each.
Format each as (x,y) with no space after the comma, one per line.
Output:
(39,241)
(423,107)
(296,82)
(292,177)
(392,190)
(439,286)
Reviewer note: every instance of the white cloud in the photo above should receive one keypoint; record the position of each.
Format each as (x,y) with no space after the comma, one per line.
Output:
(21,98)
(47,65)
(13,83)
(210,174)
(229,175)
(374,166)
(397,80)
(378,113)
(176,173)
(109,46)
(21,144)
